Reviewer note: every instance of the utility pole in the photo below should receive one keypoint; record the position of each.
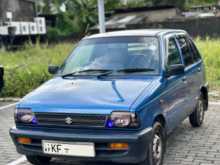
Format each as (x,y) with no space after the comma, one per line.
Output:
(101,9)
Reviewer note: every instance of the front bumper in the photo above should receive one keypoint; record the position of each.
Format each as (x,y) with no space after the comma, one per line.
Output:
(137,152)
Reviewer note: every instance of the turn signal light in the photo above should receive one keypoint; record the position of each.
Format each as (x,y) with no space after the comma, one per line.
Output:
(119,146)
(23,140)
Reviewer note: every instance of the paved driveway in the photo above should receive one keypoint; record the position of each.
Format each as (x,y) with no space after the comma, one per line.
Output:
(186,145)
(7,150)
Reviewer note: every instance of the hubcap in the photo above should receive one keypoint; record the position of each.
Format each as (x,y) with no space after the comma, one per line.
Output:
(201,111)
(157,149)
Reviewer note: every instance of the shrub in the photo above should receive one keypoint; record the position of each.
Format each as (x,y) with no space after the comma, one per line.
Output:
(53,34)
(27,69)
(210,49)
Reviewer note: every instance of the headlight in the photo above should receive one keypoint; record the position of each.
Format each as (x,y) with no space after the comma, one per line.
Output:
(122,120)
(25,116)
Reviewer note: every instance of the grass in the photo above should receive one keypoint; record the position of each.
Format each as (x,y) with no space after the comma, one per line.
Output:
(210,50)
(26,69)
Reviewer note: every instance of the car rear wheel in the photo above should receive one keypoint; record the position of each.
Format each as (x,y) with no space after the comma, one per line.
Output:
(38,160)
(157,146)
(197,117)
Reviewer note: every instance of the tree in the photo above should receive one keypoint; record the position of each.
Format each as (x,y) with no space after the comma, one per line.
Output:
(183,3)
(80,14)
(201,2)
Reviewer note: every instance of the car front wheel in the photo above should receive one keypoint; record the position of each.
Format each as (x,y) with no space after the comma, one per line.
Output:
(38,160)
(156,148)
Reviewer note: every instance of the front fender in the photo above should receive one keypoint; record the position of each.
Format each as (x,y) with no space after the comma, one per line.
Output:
(150,112)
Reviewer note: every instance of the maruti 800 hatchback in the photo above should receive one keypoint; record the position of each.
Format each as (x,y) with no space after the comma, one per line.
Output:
(115,98)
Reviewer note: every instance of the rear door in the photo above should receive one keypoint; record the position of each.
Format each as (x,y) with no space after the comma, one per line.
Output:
(198,61)
(192,71)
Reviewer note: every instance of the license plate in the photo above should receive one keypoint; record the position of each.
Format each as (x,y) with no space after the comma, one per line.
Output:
(68,148)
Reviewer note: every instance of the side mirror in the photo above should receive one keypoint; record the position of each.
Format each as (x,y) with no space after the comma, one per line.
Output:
(175,70)
(53,69)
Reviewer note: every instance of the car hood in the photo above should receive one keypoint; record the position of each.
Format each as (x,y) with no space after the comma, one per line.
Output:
(83,95)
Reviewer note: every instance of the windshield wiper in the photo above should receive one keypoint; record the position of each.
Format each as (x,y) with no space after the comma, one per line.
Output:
(134,70)
(77,73)
(106,72)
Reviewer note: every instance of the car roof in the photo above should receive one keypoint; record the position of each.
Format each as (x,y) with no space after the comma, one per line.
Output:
(143,32)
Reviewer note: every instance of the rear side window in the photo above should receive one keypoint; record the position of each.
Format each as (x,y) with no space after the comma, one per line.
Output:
(186,50)
(173,53)
(195,52)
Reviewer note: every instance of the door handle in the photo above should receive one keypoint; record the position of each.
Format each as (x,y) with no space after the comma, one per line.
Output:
(199,69)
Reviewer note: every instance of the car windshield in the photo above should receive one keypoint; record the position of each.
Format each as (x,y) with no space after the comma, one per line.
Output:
(123,55)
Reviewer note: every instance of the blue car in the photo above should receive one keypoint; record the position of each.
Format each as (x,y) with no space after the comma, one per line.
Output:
(115,98)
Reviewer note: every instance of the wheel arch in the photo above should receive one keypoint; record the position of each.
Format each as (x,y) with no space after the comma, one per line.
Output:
(160,118)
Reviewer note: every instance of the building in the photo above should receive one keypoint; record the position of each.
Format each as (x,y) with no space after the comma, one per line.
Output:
(19,20)
(196,21)
(18,9)
(121,18)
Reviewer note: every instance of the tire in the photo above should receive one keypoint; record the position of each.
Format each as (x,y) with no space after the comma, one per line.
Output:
(38,160)
(157,146)
(197,117)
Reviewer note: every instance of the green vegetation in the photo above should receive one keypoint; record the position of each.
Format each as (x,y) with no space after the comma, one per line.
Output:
(27,69)
(209,49)
(200,2)
(80,15)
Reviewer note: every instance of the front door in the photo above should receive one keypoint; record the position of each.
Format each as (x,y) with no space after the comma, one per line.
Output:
(175,90)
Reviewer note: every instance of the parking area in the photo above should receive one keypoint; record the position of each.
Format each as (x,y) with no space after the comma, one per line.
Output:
(7,150)
(186,145)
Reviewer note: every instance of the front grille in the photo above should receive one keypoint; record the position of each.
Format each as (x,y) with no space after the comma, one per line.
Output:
(71,120)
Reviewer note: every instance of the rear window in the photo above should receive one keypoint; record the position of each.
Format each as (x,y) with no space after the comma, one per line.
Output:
(186,50)
(195,52)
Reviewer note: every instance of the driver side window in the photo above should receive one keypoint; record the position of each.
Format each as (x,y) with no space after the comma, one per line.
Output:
(173,53)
